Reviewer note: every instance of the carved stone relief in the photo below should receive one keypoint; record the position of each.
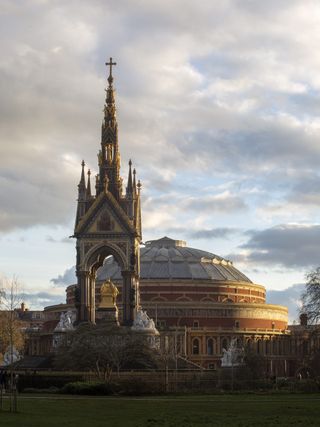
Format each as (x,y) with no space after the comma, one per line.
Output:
(105,222)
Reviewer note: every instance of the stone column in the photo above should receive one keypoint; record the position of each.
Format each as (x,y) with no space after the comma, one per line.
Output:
(92,291)
(85,297)
(129,297)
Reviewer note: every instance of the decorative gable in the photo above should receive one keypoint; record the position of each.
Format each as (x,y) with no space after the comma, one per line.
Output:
(105,216)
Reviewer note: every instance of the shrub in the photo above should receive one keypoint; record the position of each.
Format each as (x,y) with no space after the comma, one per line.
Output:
(50,390)
(90,388)
(41,381)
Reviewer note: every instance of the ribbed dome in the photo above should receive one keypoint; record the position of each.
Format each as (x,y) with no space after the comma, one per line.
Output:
(166,258)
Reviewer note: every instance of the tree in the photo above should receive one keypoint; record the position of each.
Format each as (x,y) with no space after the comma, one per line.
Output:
(102,349)
(311,296)
(10,328)
(256,365)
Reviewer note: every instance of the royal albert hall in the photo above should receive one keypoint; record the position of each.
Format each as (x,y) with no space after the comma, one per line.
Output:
(200,302)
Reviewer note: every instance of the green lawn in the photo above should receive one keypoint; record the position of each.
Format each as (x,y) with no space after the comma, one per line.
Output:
(186,411)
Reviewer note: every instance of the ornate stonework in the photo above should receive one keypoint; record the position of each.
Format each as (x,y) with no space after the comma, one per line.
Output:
(109,222)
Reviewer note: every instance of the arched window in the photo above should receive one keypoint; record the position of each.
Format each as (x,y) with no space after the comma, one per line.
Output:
(259,346)
(210,346)
(195,346)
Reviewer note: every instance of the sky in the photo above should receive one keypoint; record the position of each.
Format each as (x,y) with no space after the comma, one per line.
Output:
(218,107)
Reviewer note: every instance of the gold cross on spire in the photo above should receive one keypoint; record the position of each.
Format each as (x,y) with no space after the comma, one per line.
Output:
(110,64)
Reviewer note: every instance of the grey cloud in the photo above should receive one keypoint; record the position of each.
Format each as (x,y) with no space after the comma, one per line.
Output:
(24,204)
(227,203)
(290,297)
(51,239)
(305,191)
(39,300)
(270,146)
(292,246)
(65,279)
(67,240)
(218,233)
(181,105)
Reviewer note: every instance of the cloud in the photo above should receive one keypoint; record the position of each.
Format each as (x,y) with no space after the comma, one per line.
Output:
(290,297)
(51,239)
(65,279)
(290,246)
(305,191)
(217,98)
(218,233)
(224,202)
(38,300)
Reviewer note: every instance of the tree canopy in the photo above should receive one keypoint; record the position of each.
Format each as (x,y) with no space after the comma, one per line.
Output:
(101,348)
(311,296)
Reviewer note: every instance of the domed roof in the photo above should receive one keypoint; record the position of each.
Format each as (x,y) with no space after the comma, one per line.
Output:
(166,259)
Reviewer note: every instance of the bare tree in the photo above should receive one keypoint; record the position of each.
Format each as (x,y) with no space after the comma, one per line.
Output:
(311,296)
(10,327)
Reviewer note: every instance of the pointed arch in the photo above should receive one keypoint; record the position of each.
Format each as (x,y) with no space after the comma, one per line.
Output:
(97,254)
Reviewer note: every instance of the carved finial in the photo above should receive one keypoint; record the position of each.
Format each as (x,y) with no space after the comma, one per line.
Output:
(110,78)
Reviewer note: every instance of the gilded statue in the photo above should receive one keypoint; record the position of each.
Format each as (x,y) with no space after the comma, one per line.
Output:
(108,293)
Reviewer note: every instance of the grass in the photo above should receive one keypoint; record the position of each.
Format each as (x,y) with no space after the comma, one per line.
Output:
(184,411)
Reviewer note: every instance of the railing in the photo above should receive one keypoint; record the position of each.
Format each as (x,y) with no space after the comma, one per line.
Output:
(240,330)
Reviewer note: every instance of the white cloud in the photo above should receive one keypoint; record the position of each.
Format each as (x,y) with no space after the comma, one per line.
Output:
(225,92)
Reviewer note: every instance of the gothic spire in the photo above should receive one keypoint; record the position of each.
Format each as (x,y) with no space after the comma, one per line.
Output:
(81,207)
(109,156)
(137,214)
(129,194)
(130,185)
(109,108)
(134,183)
(82,183)
(88,193)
